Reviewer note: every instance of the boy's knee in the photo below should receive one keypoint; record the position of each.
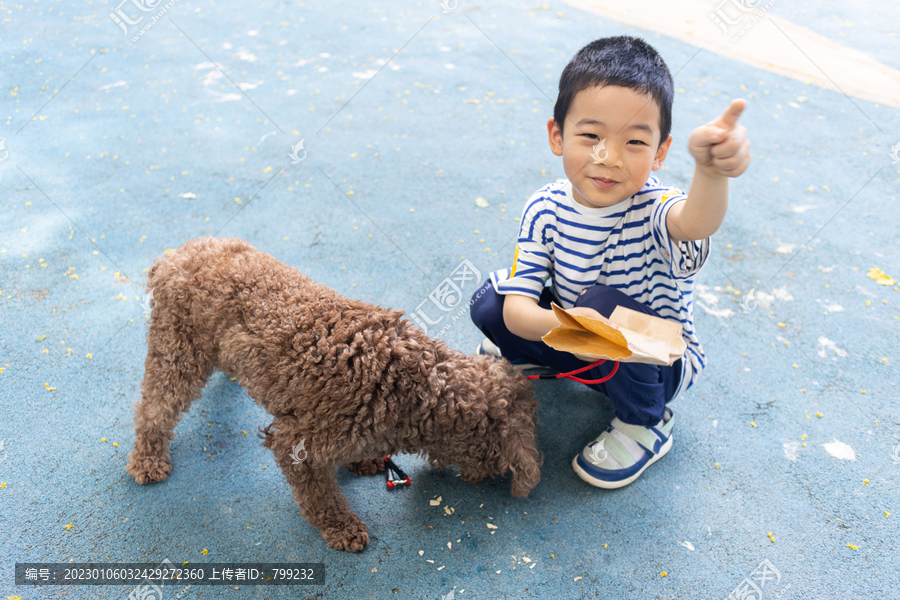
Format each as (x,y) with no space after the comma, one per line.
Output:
(605,299)
(486,305)
(601,298)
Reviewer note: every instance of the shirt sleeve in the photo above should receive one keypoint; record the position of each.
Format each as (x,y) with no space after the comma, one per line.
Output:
(532,262)
(685,258)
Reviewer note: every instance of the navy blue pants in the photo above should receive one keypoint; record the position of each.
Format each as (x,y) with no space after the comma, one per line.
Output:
(639,392)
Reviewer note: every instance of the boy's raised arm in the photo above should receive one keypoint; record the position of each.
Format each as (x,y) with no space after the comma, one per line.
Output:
(721,150)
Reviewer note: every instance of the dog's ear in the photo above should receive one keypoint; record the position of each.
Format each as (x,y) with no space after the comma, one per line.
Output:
(522,457)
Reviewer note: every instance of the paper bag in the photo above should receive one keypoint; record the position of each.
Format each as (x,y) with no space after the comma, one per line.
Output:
(627,336)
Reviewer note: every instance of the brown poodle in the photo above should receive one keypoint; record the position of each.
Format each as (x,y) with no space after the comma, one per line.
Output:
(353,382)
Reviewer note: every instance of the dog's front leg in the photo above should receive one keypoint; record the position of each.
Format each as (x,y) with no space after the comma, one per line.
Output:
(315,488)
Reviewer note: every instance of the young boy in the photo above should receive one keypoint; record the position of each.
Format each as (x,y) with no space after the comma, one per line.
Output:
(612,235)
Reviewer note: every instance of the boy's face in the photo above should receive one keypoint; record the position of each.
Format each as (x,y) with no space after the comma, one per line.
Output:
(627,122)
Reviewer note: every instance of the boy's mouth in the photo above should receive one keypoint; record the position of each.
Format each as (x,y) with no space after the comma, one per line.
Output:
(604,183)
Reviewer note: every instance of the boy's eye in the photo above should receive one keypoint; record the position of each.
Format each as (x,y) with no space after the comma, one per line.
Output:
(636,142)
(590,135)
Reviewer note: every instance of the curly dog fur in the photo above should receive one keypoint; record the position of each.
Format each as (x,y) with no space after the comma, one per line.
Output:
(355,381)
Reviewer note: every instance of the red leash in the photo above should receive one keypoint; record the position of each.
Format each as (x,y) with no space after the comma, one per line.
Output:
(570,374)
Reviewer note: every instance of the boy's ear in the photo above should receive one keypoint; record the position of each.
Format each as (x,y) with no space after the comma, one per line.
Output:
(555,137)
(661,154)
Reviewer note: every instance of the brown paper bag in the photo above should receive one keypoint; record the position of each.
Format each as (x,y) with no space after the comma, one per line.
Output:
(627,336)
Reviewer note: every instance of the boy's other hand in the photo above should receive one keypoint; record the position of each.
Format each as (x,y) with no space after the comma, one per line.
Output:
(721,147)
(585,311)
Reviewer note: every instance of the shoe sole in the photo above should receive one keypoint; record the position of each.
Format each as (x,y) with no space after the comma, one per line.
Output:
(524,367)
(514,366)
(614,485)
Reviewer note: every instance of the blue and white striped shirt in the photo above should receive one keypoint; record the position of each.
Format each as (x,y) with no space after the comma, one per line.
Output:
(625,246)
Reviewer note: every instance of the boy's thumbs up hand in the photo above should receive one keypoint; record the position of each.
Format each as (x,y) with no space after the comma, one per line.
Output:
(721,147)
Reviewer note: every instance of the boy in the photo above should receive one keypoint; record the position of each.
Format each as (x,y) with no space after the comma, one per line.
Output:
(612,235)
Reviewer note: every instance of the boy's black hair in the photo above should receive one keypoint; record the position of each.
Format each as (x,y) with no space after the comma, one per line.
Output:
(625,61)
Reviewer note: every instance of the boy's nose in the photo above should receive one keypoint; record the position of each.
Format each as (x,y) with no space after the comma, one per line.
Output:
(610,155)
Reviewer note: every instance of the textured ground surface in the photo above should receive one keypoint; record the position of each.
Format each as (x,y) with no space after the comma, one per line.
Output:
(792,431)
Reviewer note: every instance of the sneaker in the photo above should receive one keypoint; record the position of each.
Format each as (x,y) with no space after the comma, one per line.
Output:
(490,348)
(621,453)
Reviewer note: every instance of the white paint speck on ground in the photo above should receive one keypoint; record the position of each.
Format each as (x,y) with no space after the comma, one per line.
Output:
(265,136)
(829,305)
(826,344)
(782,294)
(211,77)
(220,97)
(827,269)
(709,298)
(803,208)
(723,312)
(785,248)
(244,55)
(687,545)
(764,300)
(840,450)
(792,450)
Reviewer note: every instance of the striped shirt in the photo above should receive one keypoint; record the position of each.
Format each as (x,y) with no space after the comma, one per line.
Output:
(625,246)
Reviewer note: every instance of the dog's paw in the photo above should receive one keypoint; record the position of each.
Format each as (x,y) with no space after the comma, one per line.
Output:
(366,467)
(352,537)
(147,469)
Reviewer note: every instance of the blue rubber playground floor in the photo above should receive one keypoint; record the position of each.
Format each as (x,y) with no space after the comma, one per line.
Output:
(121,142)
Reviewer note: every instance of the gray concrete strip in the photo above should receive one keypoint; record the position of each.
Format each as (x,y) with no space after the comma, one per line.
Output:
(760,39)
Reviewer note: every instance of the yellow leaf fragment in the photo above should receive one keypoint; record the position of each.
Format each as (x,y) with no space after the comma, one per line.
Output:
(880,277)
